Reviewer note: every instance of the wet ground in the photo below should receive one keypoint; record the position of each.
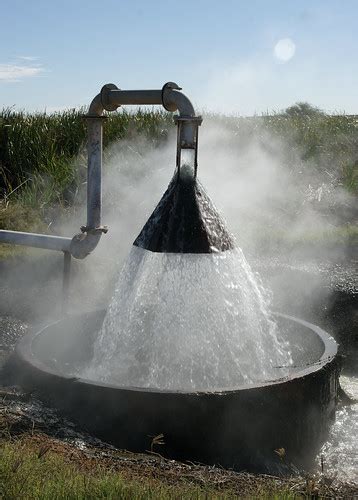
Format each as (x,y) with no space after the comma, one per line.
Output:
(339,455)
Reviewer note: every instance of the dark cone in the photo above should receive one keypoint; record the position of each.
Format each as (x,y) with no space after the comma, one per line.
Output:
(185,221)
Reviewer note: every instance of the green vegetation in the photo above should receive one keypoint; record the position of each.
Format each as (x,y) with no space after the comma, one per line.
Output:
(325,144)
(44,475)
(42,158)
(37,472)
(43,162)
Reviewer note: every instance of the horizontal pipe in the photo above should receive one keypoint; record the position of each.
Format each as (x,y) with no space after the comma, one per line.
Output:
(134,97)
(169,97)
(45,241)
(119,97)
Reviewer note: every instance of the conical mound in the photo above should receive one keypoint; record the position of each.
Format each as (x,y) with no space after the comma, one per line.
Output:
(185,221)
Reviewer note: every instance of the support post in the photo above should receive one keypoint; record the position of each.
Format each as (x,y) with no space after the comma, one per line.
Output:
(66,280)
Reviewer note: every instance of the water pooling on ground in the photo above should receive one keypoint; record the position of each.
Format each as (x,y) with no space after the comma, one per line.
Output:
(188,322)
(340,452)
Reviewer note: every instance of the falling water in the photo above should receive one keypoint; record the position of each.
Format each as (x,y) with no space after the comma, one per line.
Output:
(188,322)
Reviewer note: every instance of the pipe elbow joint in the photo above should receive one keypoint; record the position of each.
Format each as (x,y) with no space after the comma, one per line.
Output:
(96,107)
(173,100)
(84,243)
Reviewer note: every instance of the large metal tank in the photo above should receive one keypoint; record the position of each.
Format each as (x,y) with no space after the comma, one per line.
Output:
(238,427)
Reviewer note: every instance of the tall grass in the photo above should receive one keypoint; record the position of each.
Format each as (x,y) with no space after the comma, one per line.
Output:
(39,152)
(325,143)
(42,156)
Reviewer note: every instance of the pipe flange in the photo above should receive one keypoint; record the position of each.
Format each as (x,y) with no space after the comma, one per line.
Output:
(94,230)
(169,86)
(105,91)
(194,119)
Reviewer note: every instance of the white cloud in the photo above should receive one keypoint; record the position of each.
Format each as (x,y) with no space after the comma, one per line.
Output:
(17,71)
(28,58)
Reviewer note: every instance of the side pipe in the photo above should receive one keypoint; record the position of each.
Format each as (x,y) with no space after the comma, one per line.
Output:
(66,280)
(48,242)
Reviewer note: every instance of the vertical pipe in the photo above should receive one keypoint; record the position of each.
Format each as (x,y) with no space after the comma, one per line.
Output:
(94,181)
(66,280)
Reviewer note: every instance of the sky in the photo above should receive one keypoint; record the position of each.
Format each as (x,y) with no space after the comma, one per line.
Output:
(240,57)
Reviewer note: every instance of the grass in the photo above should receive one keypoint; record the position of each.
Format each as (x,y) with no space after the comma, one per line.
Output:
(322,142)
(44,475)
(42,156)
(28,470)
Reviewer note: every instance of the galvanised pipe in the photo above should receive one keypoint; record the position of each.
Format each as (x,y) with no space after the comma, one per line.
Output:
(109,99)
(169,97)
(83,244)
(94,174)
(118,97)
(58,243)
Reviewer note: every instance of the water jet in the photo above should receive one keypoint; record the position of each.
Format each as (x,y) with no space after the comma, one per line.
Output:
(236,422)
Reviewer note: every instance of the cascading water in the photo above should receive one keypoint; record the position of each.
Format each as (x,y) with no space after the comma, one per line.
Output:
(187,313)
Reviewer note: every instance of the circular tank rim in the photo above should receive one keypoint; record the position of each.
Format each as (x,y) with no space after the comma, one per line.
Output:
(23,352)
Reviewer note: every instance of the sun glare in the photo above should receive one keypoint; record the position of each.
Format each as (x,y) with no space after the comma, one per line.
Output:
(284,49)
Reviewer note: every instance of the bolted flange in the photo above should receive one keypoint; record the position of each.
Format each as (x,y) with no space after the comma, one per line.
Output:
(169,86)
(105,91)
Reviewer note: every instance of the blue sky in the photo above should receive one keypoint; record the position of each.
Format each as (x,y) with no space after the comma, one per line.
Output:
(231,56)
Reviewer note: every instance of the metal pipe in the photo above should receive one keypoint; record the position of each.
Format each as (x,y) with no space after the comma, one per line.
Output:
(57,243)
(118,97)
(84,243)
(94,171)
(66,280)
(174,100)
(169,96)
(96,107)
